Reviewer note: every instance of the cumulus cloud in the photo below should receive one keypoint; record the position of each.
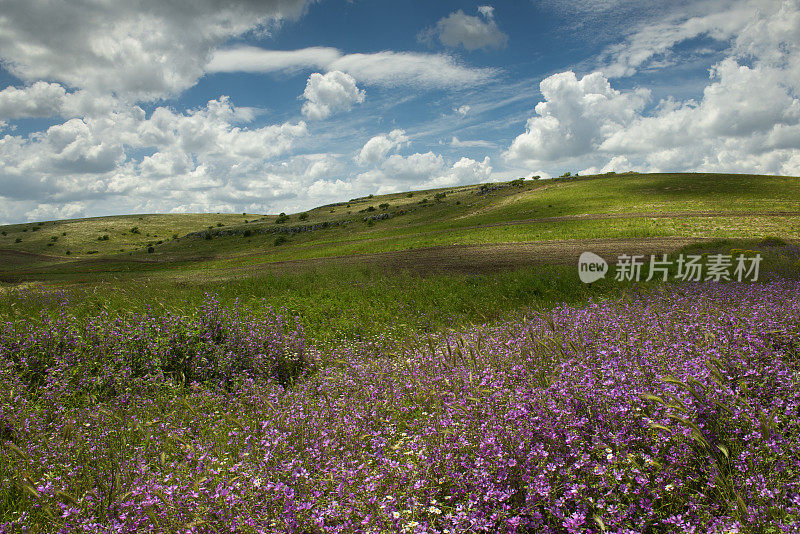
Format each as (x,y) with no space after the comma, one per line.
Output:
(387,68)
(140,50)
(421,170)
(427,170)
(471,32)
(94,157)
(748,119)
(462,110)
(377,147)
(574,118)
(43,99)
(330,92)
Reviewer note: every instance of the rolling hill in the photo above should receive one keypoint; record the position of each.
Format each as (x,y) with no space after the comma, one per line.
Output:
(480,227)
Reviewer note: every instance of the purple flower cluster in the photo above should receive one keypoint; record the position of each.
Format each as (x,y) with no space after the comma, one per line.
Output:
(669,410)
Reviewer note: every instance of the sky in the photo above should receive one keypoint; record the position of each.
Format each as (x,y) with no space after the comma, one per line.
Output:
(263,106)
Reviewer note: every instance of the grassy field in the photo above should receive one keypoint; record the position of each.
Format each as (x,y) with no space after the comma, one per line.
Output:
(417,362)
(398,264)
(630,205)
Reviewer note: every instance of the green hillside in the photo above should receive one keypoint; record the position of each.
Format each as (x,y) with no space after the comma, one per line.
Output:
(592,207)
(404,262)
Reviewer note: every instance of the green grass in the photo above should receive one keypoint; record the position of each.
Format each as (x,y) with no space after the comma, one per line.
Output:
(331,303)
(349,297)
(449,221)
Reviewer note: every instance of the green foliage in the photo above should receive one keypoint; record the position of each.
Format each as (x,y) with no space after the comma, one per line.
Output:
(135,230)
(303,216)
(280,240)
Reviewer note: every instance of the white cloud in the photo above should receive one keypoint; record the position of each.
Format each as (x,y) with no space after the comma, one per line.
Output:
(457,143)
(754,25)
(419,170)
(47,212)
(748,119)
(330,92)
(574,118)
(42,99)
(199,152)
(254,59)
(140,50)
(462,110)
(464,171)
(458,29)
(376,148)
(387,68)
(425,171)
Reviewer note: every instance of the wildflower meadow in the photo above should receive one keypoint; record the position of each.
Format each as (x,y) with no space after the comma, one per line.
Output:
(673,408)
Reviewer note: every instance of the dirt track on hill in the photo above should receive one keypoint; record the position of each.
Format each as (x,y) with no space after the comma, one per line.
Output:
(472,259)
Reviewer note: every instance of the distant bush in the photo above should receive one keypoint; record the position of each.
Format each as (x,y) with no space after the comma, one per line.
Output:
(68,252)
(91,251)
(3,232)
(135,230)
(370,195)
(409,195)
(36,228)
(439,196)
(303,216)
(174,236)
(54,238)
(63,233)
(282,218)
(371,208)
(247,233)
(280,240)
(150,250)
(536,177)
(517,183)
(384,206)
(220,225)
(18,240)
(566,175)
(103,238)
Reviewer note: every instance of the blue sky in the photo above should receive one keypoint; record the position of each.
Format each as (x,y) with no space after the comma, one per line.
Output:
(113,107)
